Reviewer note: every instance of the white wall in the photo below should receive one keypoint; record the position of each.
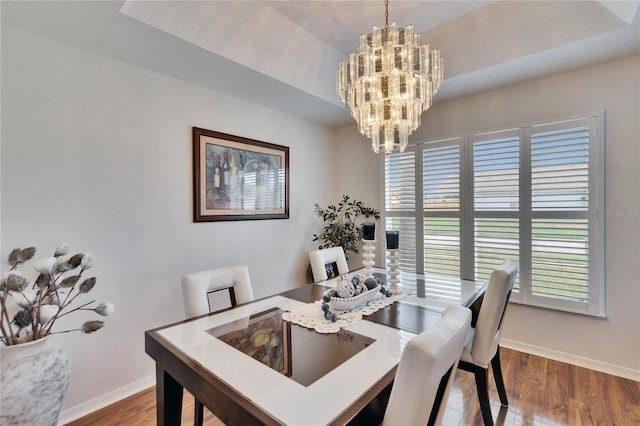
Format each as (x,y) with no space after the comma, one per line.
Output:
(357,167)
(611,344)
(97,153)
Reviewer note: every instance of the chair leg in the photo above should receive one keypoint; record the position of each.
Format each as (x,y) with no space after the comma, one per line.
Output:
(198,413)
(482,385)
(497,375)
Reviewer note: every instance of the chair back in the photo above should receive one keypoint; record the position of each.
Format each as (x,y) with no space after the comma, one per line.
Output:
(425,373)
(494,305)
(197,286)
(319,259)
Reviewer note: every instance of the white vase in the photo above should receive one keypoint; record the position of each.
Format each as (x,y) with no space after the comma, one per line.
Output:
(35,377)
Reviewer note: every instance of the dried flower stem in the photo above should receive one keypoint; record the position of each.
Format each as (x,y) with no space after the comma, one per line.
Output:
(65,331)
(79,308)
(63,304)
(56,287)
(45,329)
(34,318)
(6,335)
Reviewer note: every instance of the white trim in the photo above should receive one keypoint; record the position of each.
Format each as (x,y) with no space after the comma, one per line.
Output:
(73,413)
(580,361)
(467,219)
(594,215)
(567,306)
(596,221)
(420,213)
(523,295)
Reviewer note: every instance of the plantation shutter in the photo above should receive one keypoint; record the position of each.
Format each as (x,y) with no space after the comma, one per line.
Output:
(560,208)
(400,205)
(400,182)
(496,200)
(441,203)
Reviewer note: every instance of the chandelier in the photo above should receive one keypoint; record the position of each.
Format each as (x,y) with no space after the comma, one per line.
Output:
(389,83)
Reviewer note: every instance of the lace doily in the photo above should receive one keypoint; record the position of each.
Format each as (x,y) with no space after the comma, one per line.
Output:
(311,315)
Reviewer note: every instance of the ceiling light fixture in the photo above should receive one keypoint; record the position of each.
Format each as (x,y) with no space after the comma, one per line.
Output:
(389,83)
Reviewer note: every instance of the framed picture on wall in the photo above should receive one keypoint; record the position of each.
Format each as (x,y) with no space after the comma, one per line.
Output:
(236,178)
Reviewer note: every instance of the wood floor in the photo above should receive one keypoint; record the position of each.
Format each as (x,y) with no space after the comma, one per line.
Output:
(541,392)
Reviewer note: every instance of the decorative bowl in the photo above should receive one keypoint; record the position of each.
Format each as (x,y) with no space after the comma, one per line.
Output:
(348,303)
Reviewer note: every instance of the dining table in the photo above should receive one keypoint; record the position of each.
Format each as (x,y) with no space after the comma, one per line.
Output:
(253,364)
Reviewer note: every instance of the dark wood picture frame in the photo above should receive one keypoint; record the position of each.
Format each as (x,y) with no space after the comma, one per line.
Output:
(236,178)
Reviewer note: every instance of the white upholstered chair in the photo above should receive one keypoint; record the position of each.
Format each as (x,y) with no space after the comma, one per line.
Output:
(425,373)
(320,259)
(482,344)
(197,287)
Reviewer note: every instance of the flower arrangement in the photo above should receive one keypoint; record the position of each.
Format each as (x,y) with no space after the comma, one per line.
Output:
(340,227)
(39,304)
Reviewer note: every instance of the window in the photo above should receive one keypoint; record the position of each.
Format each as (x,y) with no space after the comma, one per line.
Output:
(400,187)
(533,193)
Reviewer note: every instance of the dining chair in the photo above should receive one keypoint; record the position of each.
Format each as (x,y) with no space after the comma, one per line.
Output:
(482,344)
(426,370)
(198,286)
(323,260)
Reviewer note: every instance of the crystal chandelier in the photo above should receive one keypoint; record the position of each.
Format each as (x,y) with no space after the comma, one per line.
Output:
(389,83)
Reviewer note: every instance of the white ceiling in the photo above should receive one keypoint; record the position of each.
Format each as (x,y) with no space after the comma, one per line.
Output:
(284,54)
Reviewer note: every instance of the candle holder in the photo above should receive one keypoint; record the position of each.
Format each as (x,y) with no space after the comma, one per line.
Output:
(392,269)
(393,239)
(368,256)
(369,231)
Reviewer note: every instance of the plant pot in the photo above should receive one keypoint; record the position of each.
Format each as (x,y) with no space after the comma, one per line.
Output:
(34,379)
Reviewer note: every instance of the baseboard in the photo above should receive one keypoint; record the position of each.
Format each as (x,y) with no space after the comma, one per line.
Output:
(81,410)
(604,367)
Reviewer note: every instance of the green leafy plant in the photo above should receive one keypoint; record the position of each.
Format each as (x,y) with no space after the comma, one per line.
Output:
(340,224)
(30,309)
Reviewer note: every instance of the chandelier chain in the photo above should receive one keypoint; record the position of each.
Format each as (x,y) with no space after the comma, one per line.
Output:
(386,13)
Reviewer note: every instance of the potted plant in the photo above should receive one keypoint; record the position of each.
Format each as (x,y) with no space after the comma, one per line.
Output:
(341,227)
(36,373)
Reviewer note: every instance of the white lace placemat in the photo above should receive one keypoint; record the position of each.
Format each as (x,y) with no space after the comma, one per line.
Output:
(312,315)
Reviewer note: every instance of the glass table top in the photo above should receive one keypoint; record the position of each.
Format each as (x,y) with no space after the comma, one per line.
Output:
(296,352)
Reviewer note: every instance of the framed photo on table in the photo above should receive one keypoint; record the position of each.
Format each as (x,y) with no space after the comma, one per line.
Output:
(236,178)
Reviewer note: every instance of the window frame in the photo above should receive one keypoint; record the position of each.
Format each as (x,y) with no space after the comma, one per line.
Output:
(595,122)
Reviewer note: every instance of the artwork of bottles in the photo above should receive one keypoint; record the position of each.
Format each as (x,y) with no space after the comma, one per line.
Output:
(226,174)
(217,174)
(243,180)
